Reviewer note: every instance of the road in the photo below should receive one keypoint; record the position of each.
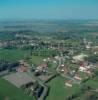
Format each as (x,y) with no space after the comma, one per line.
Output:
(41,83)
(61,61)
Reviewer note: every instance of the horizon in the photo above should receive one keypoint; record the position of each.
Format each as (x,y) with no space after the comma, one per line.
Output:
(10,19)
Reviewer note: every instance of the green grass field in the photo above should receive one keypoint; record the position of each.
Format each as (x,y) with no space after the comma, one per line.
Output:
(37,60)
(13,54)
(10,91)
(92,83)
(59,91)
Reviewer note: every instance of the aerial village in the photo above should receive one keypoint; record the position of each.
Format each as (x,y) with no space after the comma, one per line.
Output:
(74,65)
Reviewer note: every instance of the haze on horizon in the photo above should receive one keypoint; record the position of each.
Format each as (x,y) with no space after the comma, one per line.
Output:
(48,9)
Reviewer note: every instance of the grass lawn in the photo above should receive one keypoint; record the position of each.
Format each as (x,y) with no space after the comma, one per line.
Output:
(54,65)
(92,83)
(59,91)
(10,91)
(13,54)
(37,60)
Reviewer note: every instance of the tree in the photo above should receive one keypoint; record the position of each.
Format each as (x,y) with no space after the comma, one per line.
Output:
(92,58)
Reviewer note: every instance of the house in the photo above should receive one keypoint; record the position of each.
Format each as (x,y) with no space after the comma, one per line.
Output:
(41,68)
(77,77)
(62,65)
(68,83)
(56,57)
(88,71)
(87,68)
(21,62)
(64,69)
(22,69)
(54,61)
(24,63)
(80,57)
(82,69)
(44,60)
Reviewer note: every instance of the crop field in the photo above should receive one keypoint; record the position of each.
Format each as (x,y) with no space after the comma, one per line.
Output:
(13,54)
(59,91)
(37,60)
(9,91)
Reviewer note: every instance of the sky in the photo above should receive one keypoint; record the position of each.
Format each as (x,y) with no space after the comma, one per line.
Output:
(48,9)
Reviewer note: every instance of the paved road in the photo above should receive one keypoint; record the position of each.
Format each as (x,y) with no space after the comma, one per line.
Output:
(59,63)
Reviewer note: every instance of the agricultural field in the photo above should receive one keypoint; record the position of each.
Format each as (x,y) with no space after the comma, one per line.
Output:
(9,91)
(59,91)
(92,83)
(13,54)
(37,60)
(45,52)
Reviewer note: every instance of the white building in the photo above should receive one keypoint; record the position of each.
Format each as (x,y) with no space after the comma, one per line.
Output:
(82,69)
(79,57)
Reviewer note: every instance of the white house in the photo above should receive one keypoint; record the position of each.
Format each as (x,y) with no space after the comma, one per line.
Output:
(82,69)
